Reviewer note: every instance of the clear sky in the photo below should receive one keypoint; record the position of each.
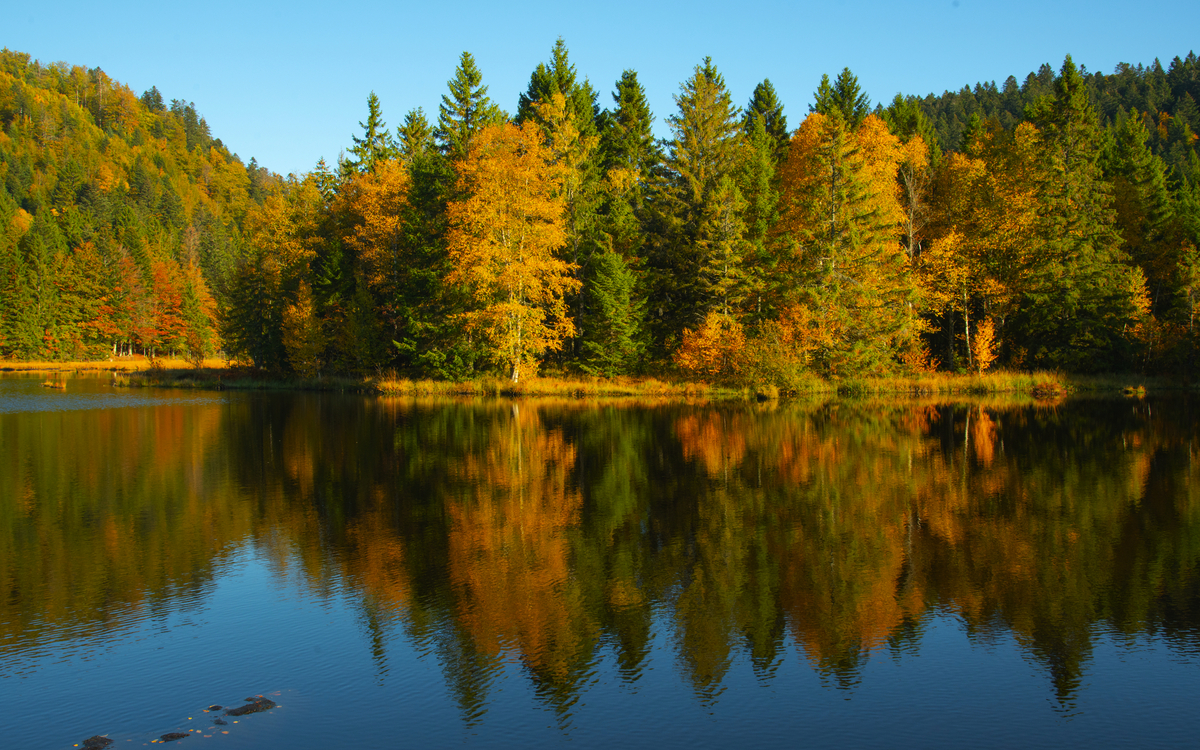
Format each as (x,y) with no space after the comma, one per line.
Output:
(287,83)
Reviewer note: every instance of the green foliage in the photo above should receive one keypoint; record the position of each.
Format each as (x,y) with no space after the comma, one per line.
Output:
(612,330)
(766,110)
(376,143)
(698,230)
(1080,298)
(465,110)
(415,136)
(844,97)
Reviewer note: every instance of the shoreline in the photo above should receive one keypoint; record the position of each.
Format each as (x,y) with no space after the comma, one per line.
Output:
(218,375)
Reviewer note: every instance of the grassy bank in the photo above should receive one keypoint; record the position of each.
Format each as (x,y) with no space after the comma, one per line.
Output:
(136,363)
(1038,384)
(219,375)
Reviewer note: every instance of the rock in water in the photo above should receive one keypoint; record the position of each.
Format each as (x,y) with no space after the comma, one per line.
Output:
(258,704)
(96,742)
(172,736)
(220,722)
(214,708)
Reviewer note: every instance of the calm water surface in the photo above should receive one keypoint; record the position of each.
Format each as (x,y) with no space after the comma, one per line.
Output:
(414,573)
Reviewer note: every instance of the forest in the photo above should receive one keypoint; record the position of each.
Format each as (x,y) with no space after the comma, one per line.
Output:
(1047,223)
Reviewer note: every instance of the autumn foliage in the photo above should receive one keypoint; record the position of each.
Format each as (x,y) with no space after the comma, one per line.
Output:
(502,242)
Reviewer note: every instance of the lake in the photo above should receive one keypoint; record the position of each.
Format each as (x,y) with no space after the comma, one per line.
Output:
(399,572)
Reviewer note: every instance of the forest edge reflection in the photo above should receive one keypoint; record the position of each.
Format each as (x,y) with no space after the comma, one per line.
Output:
(552,532)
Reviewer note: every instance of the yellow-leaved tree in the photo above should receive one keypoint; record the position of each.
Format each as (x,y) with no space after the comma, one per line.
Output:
(502,240)
(840,210)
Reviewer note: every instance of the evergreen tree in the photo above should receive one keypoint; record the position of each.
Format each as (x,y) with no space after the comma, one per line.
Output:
(612,341)
(844,96)
(1080,301)
(559,77)
(1142,205)
(766,108)
(846,287)
(465,110)
(630,155)
(692,203)
(627,141)
(756,180)
(376,143)
(415,136)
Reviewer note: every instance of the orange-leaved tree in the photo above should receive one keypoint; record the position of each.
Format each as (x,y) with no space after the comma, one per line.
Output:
(502,240)
(840,209)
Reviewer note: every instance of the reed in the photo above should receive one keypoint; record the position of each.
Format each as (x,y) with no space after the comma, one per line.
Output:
(1042,385)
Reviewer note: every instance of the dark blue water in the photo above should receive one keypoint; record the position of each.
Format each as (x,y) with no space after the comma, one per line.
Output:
(428,574)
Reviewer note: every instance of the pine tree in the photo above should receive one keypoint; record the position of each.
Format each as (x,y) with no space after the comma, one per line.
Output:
(844,97)
(574,154)
(376,144)
(465,110)
(558,77)
(627,140)
(1081,302)
(692,202)
(630,155)
(848,280)
(757,181)
(612,341)
(766,108)
(414,137)
(1142,206)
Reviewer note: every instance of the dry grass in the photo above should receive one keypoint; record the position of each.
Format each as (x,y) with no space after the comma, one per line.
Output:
(562,387)
(1047,384)
(135,363)
(1039,385)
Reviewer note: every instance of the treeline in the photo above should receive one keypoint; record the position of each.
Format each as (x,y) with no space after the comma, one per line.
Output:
(120,217)
(1051,224)
(1165,99)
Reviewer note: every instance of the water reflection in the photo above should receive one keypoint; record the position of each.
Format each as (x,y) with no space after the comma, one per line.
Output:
(548,534)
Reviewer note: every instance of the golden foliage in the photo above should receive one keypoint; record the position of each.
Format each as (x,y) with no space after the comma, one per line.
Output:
(712,350)
(502,242)
(983,345)
(379,199)
(302,334)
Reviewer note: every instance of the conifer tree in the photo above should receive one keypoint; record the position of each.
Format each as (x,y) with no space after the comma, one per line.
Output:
(559,77)
(630,155)
(1142,206)
(1081,302)
(849,280)
(376,144)
(465,110)
(574,154)
(844,96)
(414,137)
(766,108)
(627,141)
(757,182)
(612,338)
(705,150)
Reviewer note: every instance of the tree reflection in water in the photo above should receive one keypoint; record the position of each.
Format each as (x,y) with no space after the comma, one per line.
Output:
(552,533)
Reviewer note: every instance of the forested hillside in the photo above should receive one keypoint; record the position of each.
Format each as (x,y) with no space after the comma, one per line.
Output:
(120,217)
(1048,224)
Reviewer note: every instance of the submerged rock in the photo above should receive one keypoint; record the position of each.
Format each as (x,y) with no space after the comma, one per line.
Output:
(214,708)
(172,736)
(254,706)
(219,721)
(95,742)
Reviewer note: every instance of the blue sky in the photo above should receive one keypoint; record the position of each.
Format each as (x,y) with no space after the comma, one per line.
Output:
(287,83)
